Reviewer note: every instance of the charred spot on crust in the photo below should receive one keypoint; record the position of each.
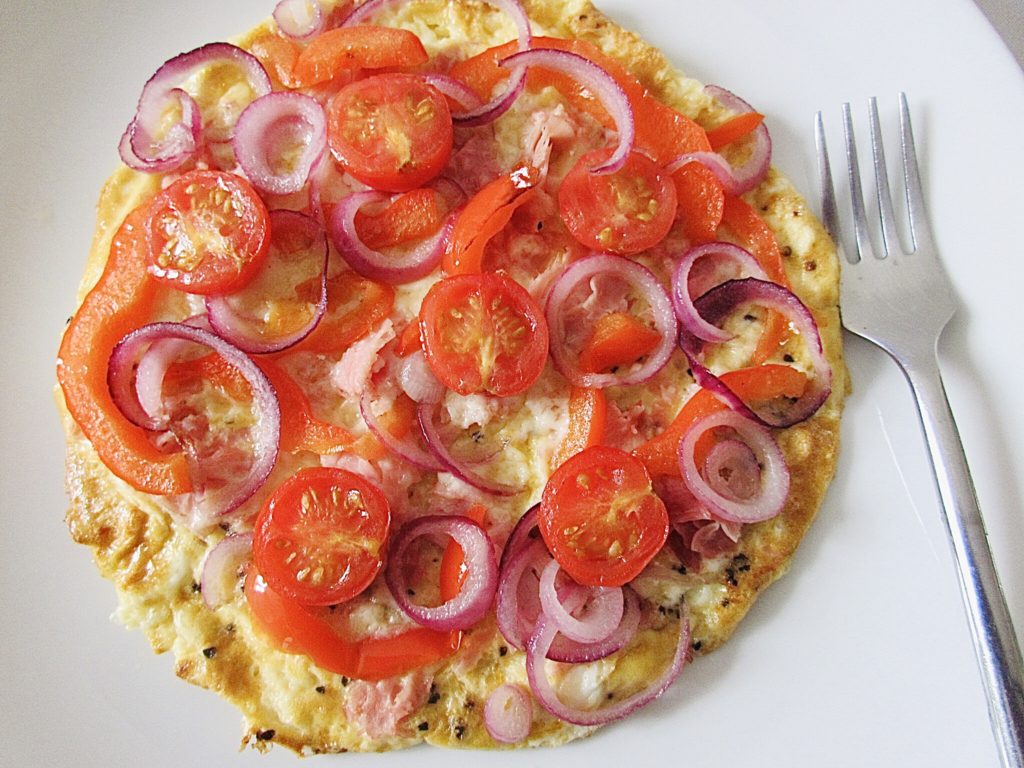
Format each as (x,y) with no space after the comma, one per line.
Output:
(210,652)
(266,735)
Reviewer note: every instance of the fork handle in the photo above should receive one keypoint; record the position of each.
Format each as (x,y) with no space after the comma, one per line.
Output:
(995,641)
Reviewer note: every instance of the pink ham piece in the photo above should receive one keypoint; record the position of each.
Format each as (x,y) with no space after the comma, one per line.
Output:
(379,708)
(352,371)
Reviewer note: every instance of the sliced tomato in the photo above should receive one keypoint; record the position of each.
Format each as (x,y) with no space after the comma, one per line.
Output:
(588,418)
(759,384)
(355,306)
(208,233)
(483,333)
(701,202)
(393,131)
(409,340)
(120,302)
(624,212)
(661,132)
(410,217)
(618,338)
(484,216)
(352,48)
(295,628)
(320,537)
(600,517)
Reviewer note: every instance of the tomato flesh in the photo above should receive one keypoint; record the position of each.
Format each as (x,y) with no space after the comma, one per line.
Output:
(392,132)
(208,233)
(320,537)
(483,333)
(624,212)
(600,517)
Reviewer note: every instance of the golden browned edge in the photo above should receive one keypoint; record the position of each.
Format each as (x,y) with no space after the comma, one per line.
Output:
(136,549)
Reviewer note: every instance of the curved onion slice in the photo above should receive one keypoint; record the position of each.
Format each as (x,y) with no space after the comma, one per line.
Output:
(141,149)
(411,265)
(450,463)
(735,181)
(517,603)
(717,303)
(594,79)
(522,534)
(773,484)
(266,432)
(508,714)
(453,89)
(266,137)
(682,301)
(537,650)
(732,470)
(219,578)
(645,284)
(474,599)
(249,334)
(417,379)
(605,608)
(570,651)
(299,20)
(404,448)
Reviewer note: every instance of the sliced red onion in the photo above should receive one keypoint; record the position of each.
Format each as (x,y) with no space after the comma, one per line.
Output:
(410,265)
(718,303)
(474,599)
(596,80)
(248,333)
(572,652)
(492,110)
(406,447)
(508,714)
(773,483)
(267,134)
(728,99)
(732,470)
(517,603)
(417,379)
(300,20)
(453,89)
(266,432)
(460,469)
(643,281)
(682,301)
(140,144)
(522,534)
(605,608)
(537,650)
(219,581)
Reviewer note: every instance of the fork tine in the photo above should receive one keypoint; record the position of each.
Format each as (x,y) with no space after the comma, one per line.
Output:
(890,240)
(862,239)
(919,230)
(829,209)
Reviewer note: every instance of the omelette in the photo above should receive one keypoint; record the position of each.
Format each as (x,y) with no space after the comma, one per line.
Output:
(499,446)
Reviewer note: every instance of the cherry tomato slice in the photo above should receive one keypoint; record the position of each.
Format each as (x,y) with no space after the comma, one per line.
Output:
(600,517)
(623,212)
(483,333)
(392,131)
(320,537)
(208,233)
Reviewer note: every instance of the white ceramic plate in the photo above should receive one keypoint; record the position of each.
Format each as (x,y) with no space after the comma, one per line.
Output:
(859,657)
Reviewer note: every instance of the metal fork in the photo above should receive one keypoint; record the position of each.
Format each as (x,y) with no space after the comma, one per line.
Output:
(901,301)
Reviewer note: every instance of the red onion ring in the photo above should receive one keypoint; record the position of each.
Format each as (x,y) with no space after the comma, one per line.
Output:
(569,651)
(508,714)
(268,128)
(723,299)
(646,284)
(605,604)
(522,535)
(453,89)
(596,80)
(773,482)
(417,379)
(460,469)
(245,332)
(735,181)
(516,620)
(220,573)
(300,20)
(474,599)
(267,431)
(536,653)
(404,448)
(732,470)
(417,262)
(139,147)
(682,301)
